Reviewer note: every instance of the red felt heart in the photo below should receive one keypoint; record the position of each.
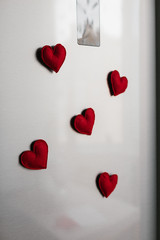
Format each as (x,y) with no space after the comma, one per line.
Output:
(84,124)
(53,57)
(37,158)
(119,84)
(107,183)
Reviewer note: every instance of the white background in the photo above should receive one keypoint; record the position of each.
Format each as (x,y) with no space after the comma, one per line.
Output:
(62,202)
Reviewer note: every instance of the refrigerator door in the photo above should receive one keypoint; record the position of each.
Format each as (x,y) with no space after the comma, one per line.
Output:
(63,202)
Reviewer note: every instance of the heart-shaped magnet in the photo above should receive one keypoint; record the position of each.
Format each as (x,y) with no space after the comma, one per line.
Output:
(36,158)
(117,84)
(107,183)
(83,123)
(53,57)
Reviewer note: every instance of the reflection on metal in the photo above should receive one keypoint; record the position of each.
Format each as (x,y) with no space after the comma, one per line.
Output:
(88,23)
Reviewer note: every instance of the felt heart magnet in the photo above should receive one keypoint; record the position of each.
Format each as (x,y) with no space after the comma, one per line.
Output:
(107,183)
(84,122)
(53,57)
(37,158)
(116,83)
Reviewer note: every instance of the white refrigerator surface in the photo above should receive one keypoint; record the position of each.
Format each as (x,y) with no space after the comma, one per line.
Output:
(63,202)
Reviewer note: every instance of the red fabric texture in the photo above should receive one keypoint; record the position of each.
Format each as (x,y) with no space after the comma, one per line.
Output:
(53,57)
(84,124)
(107,183)
(37,158)
(119,84)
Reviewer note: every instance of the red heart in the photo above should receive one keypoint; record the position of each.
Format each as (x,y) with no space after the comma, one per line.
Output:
(119,84)
(107,183)
(53,57)
(37,158)
(84,124)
